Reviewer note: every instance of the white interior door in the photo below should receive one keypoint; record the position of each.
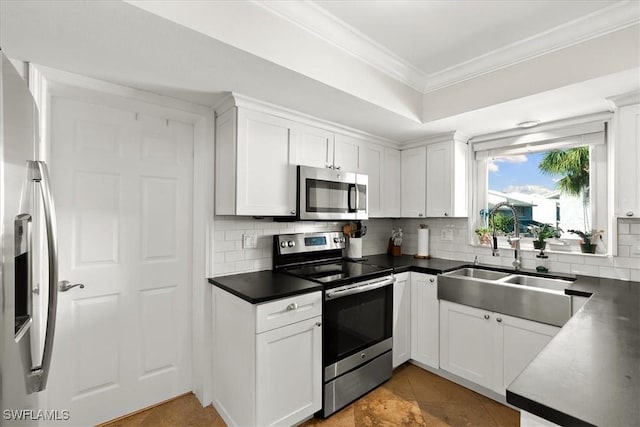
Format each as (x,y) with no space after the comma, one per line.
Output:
(123,187)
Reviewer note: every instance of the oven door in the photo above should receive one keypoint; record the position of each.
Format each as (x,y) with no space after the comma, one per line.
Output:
(357,318)
(326,194)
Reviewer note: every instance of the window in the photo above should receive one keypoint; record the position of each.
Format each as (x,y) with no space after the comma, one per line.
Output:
(556,178)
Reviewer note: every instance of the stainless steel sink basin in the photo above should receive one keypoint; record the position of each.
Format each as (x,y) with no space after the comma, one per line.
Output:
(479,273)
(538,282)
(529,297)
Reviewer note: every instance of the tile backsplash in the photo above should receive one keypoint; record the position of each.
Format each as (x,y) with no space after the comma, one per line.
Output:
(230,257)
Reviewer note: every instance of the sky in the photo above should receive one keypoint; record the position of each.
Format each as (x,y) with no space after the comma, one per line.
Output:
(519,174)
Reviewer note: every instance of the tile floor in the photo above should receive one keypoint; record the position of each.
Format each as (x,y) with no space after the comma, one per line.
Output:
(413,397)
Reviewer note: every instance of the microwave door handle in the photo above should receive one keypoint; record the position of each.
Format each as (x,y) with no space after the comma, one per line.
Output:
(357,196)
(349,208)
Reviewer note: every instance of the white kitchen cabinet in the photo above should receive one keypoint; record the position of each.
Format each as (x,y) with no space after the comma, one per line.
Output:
(267,359)
(487,348)
(425,319)
(316,147)
(401,319)
(627,159)
(255,164)
(469,343)
(372,165)
(446,179)
(346,155)
(391,184)
(413,171)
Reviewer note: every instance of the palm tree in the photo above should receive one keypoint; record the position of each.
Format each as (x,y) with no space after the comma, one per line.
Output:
(573,165)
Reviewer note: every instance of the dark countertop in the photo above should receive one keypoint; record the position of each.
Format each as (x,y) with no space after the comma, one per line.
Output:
(263,286)
(589,374)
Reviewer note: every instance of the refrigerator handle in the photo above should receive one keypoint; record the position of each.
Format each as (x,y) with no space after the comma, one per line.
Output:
(38,172)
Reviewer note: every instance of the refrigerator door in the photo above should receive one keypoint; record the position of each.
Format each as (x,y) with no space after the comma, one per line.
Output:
(24,186)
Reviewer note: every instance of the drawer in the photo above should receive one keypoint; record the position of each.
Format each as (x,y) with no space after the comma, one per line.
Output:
(275,314)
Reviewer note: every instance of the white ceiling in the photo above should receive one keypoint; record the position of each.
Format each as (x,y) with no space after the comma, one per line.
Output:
(435,35)
(124,44)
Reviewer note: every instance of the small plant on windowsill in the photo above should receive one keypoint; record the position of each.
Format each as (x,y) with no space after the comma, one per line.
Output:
(542,233)
(589,241)
(484,236)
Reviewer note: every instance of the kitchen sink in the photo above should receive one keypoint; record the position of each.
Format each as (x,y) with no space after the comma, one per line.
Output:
(540,299)
(538,282)
(478,273)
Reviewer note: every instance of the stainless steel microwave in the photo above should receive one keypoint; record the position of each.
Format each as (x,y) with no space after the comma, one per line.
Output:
(328,194)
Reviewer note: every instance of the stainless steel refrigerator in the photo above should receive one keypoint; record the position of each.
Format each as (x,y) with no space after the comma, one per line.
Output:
(29,253)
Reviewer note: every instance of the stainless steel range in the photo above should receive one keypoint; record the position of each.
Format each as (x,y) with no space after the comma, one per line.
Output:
(357,313)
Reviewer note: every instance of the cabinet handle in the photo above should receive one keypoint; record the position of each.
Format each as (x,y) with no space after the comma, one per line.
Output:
(292,306)
(337,168)
(419,214)
(486,316)
(629,213)
(293,212)
(432,280)
(318,324)
(499,320)
(328,166)
(446,214)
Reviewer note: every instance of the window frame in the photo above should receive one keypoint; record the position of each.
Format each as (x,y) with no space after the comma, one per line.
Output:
(589,130)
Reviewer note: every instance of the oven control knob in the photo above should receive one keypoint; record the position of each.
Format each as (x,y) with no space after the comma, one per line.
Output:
(283,244)
(291,243)
(337,239)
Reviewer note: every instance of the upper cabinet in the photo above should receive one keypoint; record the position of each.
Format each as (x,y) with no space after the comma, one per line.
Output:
(258,148)
(413,182)
(447,179)
(627,156)
(316,147)
(255,164)
(434,179)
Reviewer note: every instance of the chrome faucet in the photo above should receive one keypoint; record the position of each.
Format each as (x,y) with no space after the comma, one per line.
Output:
(517,263)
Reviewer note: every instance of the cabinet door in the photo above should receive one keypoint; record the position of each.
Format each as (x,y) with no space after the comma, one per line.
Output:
(469,343)
(346,153)
(266,174)
(425,319)
(289,373)
(413,182)
(371,164)
(316,147)
(401,319)
(391,184)
(627,149)
(522,341)
(439,177)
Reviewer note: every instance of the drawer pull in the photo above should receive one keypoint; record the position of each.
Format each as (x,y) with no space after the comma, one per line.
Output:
(292,306)
(318,324)
(486,316)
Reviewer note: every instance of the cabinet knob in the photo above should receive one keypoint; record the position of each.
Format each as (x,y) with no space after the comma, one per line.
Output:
(486,316)
(420,214)
(432,280)
(446,214)
(292,306)
(629,213)
(318,324)
(328,166)
(499,320)
(293,212)
(337,168)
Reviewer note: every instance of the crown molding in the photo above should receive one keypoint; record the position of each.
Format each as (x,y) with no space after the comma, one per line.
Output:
(612,18)
(624,99)
(322,24)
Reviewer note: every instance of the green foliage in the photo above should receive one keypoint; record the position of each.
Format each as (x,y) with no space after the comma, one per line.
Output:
(572,165)
(544,231)
(501,222)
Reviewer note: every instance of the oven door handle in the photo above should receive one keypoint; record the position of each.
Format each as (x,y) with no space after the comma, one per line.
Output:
(359,289)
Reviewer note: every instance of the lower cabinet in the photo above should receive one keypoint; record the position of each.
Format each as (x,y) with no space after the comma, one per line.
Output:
(401,319)
(425,319)
(487,348)
(267,367)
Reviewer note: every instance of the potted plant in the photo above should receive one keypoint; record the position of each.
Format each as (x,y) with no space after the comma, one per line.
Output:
(484,235)
(542,233)
(589,241)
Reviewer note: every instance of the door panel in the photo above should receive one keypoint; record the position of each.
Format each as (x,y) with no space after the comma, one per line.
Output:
(122,181)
